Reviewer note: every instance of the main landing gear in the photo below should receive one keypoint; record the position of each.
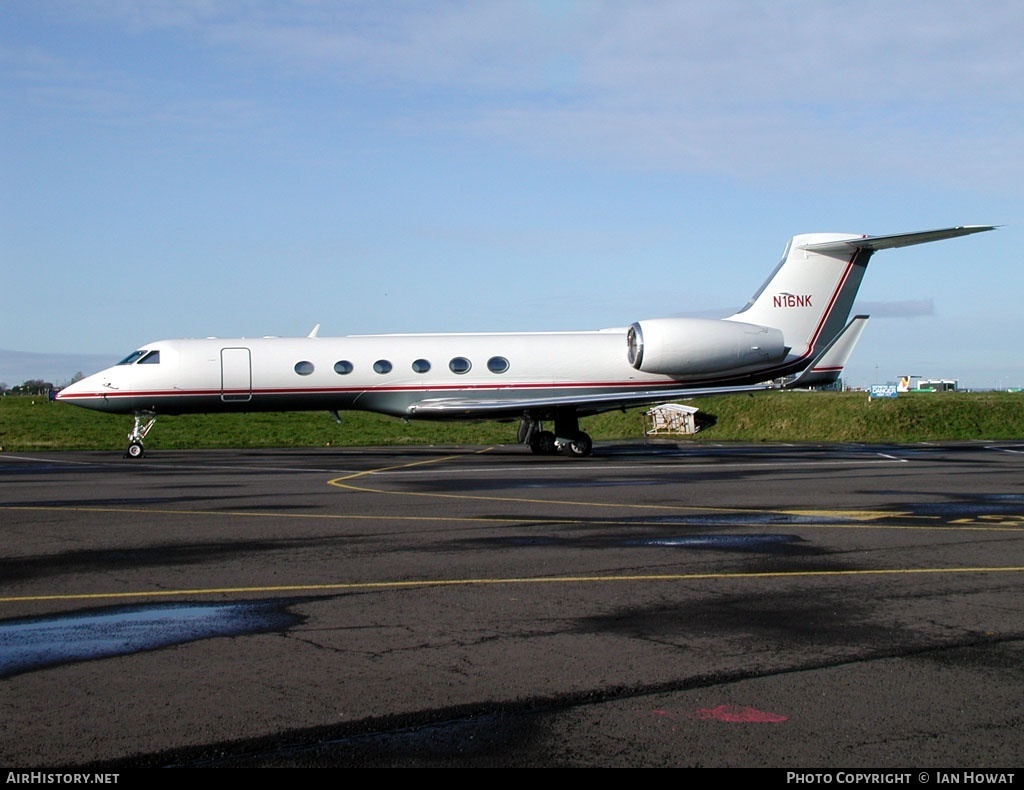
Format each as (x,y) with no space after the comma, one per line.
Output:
(135,449)
(567,438)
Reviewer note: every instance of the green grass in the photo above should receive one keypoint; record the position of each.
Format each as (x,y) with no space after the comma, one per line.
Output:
(28,423)
(851,417)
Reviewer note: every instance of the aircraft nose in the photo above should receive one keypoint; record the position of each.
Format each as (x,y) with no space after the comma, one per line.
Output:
(88,392)
(74,390)
(68,391)
(87,384)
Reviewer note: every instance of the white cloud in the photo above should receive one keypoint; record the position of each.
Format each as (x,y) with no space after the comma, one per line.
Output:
(866,90)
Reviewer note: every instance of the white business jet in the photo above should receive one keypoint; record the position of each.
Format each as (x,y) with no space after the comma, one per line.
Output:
(795,324)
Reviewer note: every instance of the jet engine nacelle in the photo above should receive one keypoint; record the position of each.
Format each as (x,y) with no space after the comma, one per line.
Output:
(690,346)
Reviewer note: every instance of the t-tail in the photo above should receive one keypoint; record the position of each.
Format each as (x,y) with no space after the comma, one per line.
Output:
(809,295)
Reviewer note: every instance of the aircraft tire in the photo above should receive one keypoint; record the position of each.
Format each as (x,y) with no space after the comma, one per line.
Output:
(135,450)
(580,447)
(543,443)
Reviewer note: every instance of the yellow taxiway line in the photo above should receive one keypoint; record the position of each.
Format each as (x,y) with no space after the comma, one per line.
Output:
(529,580)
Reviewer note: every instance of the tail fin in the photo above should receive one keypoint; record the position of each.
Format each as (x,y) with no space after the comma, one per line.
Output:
(810,294)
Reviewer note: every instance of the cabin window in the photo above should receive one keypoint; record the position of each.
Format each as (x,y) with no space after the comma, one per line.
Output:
(343,367)
(382,366)
(304,368)
(497,364)
(421,366)
(152,358)
(460,365)
(132,358)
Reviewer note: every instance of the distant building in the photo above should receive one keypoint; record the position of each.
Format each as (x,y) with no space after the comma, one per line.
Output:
(919,384)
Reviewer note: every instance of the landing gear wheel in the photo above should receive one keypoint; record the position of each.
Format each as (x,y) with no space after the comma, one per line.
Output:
(580,447)
(143,422)
(543,443)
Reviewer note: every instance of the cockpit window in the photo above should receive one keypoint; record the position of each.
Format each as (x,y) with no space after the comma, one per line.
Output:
(143,357)
(132,358)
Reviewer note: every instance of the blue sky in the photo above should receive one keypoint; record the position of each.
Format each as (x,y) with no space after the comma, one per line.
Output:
(180,169)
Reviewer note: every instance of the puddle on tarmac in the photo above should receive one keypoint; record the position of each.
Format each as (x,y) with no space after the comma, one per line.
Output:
(31,644)
(719,541)
(765,518)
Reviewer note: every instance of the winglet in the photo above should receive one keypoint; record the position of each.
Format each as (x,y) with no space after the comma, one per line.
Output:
(829,364)
(315,332)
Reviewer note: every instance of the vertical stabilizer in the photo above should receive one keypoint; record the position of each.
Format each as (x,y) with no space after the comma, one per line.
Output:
(810,294)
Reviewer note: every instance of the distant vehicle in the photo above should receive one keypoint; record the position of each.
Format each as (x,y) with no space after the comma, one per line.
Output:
(795,323)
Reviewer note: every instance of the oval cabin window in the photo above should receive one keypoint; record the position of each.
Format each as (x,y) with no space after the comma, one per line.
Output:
(497,364)
(460,365)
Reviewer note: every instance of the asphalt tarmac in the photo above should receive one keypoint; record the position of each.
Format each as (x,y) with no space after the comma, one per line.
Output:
(681,605)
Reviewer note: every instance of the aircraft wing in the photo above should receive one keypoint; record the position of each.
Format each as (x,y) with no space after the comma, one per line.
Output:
(846,246)
(491,408)
(828,366)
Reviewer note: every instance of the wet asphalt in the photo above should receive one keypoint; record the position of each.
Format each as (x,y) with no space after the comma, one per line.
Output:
(653,605)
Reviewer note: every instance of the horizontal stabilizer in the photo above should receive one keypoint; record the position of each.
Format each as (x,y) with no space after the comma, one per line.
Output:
(848,246)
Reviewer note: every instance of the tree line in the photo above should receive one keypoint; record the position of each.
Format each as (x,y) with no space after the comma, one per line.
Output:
(34,386)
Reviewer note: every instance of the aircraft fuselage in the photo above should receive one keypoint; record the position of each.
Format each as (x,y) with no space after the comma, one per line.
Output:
(390,374)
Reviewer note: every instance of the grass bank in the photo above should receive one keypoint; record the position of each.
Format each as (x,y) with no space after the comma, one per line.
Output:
(28,423)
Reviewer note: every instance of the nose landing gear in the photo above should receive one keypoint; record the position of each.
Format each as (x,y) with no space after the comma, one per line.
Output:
(135,448)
